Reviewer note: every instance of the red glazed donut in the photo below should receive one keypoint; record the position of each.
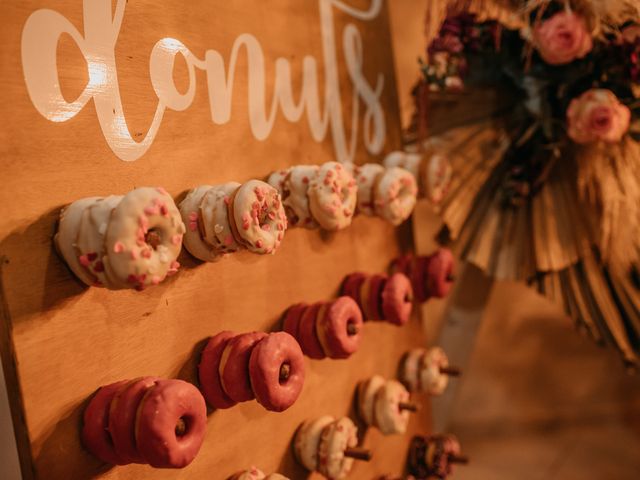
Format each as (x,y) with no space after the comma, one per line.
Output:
(440,273)
(339,327)
(292,317)
(209,371)
(370,297)
(122,418)
(276,369)
(307,335)
(95,429)
(234,366)
(397,299)
(171,423)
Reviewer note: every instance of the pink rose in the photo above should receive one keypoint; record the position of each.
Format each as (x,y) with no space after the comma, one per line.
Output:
(597,115)
(562,38)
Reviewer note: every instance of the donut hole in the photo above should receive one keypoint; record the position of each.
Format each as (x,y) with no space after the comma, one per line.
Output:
(153,238)
(182,426)
(352,328)
(285,373)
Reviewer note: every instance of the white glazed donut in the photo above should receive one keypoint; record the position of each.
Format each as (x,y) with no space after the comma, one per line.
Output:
(214,212)
(366,177)
(332,197)
(389,417)
(437,177)
(307,439)
(143,239)
(67,236)
(276,180)
(409,372)
(432,380)
(366,395)
(257,217)
(252,474)
(190,211)
(296,200)
(408,161)
(334,440)
(395,193)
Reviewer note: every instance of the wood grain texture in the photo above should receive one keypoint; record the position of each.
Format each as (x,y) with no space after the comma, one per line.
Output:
(61,340)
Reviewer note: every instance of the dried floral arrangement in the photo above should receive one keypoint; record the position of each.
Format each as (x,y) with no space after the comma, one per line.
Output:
(546,177)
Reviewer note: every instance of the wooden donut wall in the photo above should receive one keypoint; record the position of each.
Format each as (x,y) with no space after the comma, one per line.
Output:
(61,340)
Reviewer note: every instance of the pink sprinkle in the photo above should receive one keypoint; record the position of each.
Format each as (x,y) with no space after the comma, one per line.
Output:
(155,280)
(174,265)
(246,218)
(271,215)
(280,227)
(143,221)
(151,210)
(98,267)
(162,191)
(228,240)
(92,256)
(330,173)
(259,244)
(193,226)
(84,260)
(134,254)
(327,181)
(193,216)
(226,200)
(347,212)
(305,179)
(146,253)
(245,226)
(118,247)
(176,239)
(266,227)
(164,210)
(279,237)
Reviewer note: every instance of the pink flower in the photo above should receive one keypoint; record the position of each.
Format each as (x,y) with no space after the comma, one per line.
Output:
(562,38)
(597,115)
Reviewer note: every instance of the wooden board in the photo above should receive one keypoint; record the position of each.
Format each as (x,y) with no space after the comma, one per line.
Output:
(61,340)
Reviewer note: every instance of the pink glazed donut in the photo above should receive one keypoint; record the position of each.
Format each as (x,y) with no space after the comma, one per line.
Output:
(440,272)
(209,371)
(397,299)
(339,327)
(171,423)
(371,296)
(307,335)
(95,428)
(276,369)
(292,316)
(122,418)
(257,217)
(351,285)
(234,366)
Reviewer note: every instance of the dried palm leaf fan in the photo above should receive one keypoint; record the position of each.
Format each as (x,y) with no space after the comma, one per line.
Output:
(529,199)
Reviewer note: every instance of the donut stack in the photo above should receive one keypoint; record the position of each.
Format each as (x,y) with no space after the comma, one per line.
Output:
(147,420)
(434,456)
(225,218)
(381,297)
(328,446)
(427,370)
(317,196)
(256,474)
(239,368)
(120,242)
(433,172)
(431,276)
(389,193)
(326,329)
(384,404)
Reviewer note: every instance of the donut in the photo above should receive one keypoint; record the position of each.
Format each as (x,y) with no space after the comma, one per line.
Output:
(371,297)
(214,213)
(122,418)
(190,212)
(406,160)
(95,434)
(292,316)
(366,394)
(440,449)
(401,264)
(339,327)
(417,457)
(436,177)
(67,234)
(440,272)
(307,335)
(276,180)
(143,239)
(432,380)
(351,285)
(257,217)
(234,366)
(209,371)
(389,417)
(171,424)
(409,370)
(252,474)
(366,177)
(334,440)
(307,440)
(332,197)
(276,370)
(294,190)
(397,299)
(395,193)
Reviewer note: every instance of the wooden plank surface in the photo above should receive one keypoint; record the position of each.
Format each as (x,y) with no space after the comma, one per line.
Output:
(61,340)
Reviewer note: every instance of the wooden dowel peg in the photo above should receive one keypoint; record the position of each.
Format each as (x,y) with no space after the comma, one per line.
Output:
(358,454)
(412,407)
(459,459)
(451,371)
